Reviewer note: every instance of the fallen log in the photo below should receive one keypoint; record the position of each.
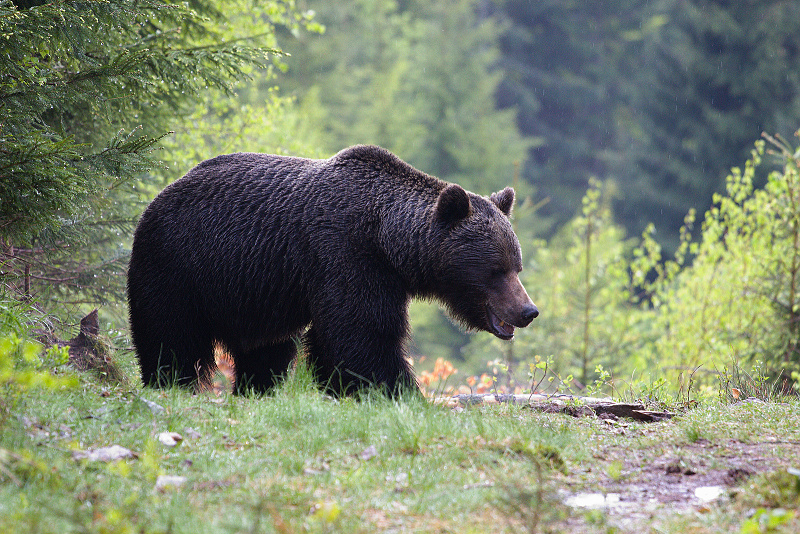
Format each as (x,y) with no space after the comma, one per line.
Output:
(568,404)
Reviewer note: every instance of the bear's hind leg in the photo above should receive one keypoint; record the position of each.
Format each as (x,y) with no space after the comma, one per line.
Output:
(165,365)
(171,342)
(260,369)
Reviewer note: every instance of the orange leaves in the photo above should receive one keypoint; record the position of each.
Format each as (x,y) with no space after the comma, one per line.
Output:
(434,383)
(482,384)
(442,370)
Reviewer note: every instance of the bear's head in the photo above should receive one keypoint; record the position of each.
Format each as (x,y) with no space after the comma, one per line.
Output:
(478,262)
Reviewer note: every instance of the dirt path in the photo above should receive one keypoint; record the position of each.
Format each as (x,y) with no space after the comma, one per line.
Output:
(643,474)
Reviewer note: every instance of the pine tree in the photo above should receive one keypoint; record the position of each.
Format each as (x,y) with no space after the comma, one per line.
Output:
(87,89)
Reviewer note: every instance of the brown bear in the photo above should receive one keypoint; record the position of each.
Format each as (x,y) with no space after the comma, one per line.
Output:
(248,250)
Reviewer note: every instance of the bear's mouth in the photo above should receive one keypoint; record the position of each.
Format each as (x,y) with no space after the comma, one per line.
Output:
(500,328)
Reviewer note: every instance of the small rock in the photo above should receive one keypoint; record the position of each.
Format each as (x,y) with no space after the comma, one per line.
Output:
(709,493)
(368,453)
(191,433)
(592,501)
(104,454)
(679,468)
(169,482)
(170,439)
(153,406)
(736,475)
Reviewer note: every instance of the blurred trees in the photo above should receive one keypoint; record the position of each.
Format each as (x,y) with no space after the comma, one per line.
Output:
(561,63)
(662,97)
(713,78)
(414,77)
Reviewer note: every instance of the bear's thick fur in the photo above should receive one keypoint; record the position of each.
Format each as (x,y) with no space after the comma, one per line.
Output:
(247,250)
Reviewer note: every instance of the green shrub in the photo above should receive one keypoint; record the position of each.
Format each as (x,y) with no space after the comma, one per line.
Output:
(740,298)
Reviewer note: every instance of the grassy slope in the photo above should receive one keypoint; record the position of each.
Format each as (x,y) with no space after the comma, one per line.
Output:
(297,462)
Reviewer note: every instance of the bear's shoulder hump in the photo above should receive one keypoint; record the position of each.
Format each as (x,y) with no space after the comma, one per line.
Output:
(369,154)
(375,157)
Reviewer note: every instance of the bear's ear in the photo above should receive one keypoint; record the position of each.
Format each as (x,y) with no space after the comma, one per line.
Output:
(504,200)
(452,204)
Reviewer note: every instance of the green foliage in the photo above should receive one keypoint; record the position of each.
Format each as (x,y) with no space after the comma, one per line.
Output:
(25,364)
(765,520)
(725,302)
(76,72)
(275,125)
(739,298)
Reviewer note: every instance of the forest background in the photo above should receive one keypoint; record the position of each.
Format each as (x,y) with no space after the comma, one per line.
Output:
(618,122)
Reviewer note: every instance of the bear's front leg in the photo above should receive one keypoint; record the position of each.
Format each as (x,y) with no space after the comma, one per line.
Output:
(260,369)
(344,361)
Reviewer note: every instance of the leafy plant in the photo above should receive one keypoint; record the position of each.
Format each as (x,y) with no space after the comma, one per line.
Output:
(740,298)
(25,363)
(592,309)
(737,384)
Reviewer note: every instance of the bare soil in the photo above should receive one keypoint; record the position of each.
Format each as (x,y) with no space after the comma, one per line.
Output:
(643,485)
(653,470)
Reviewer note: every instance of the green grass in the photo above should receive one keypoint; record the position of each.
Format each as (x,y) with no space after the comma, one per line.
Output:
(297,461)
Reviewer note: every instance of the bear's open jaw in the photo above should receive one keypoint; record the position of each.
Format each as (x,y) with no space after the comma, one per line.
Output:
(500,328)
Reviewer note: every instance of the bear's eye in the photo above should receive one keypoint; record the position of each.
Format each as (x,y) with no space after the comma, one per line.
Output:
(496,273)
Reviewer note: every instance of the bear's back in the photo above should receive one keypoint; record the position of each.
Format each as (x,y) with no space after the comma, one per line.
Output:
(356,173)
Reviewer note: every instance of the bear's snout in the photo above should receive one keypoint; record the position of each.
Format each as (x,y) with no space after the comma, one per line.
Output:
(509,308)
(529,313)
